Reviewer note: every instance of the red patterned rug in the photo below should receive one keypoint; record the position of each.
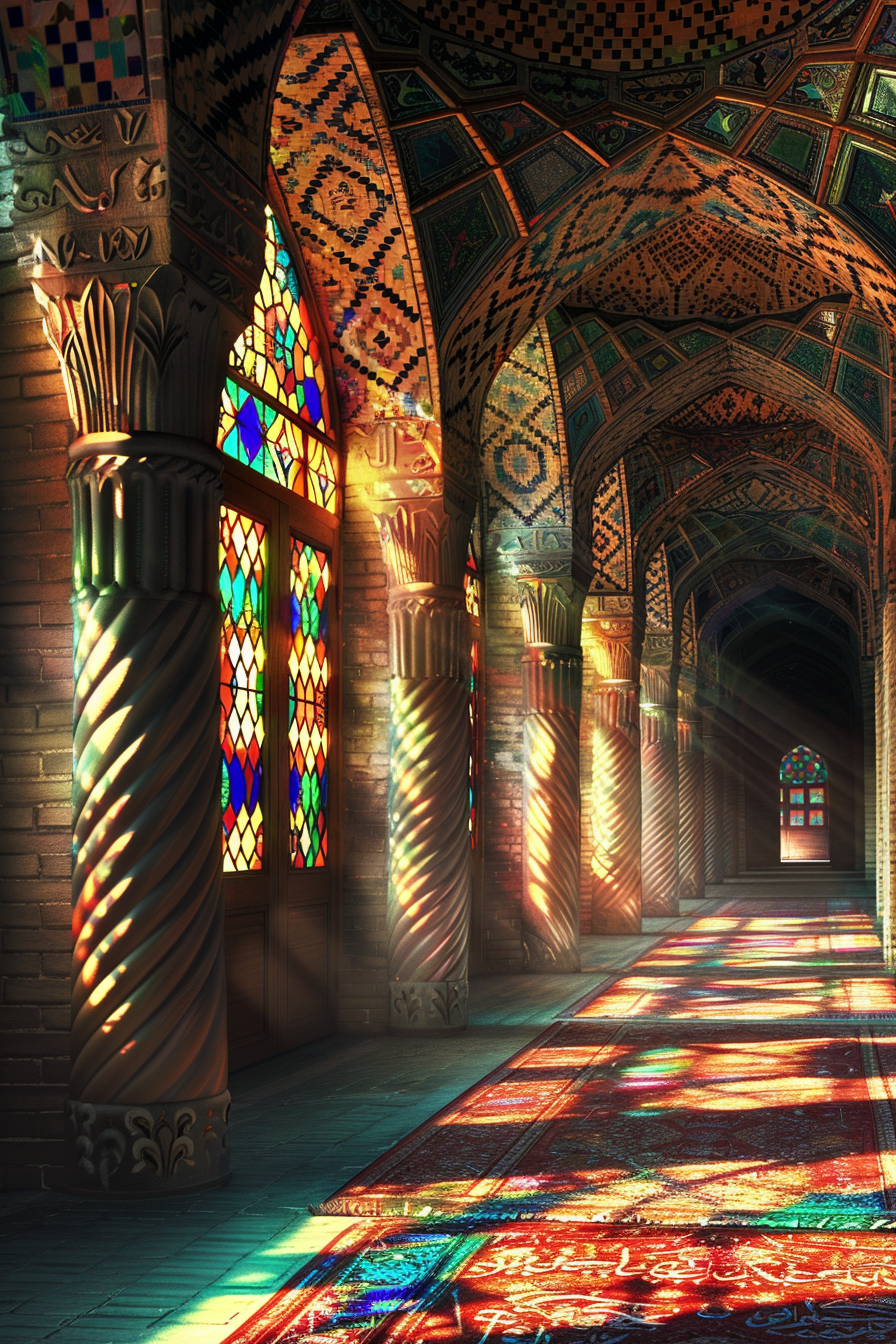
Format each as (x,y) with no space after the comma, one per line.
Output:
(742,1125)
(544,1284)
(772,999)
(734,939)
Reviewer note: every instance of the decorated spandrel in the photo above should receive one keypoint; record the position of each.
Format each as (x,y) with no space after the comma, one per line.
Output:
(242,553)
(276,402)
(309,672)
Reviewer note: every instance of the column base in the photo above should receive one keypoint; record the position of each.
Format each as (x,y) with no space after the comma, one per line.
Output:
(159,1149)
(428,1007)
(539,959)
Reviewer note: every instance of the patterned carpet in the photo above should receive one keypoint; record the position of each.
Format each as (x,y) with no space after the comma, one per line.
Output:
(681,1156)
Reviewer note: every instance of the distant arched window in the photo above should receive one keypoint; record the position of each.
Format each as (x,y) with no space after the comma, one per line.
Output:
(805,833)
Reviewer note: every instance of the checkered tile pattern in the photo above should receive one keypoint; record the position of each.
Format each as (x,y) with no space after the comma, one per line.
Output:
(78,55)
(622,36)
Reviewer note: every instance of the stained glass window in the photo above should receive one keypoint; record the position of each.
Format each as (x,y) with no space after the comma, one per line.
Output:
(797,796)
(242,553)
(276,404)
(308,732)
(803,766)
(797,818)
(816,817)
(816,796)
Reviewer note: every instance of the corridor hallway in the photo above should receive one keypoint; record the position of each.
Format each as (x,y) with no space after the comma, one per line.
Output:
(699,1148)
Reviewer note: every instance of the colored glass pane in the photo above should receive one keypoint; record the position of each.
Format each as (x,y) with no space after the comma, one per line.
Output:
(816,817)
(797,818)
(797,796)
(275,401)
(816,796)
(277,351)
(309,672)
(242,554)
(803,766)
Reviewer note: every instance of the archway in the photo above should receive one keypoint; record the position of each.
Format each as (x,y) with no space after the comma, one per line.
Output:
(805,828)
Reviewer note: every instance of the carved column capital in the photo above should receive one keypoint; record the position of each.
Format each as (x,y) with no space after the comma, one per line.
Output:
(552,612)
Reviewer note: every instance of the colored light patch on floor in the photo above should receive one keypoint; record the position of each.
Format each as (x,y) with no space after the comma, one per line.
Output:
(687,1125)
(835,941)
(585,1285)
(765,999)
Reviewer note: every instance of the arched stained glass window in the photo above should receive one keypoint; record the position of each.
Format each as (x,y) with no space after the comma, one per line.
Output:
(803,799)
(276,415)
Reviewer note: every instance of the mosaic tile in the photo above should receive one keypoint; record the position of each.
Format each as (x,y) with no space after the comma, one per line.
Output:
(692,343)
(433,156)
(793,149)
(722,122)
(566,348)
(581,424)
(592,331)
(875,102)
(657,592)
(853,484)
(824,324)
(325,12)
(622,388)
(59,61)
(609,533)
(863,391)
(575,382)
(868,340)
(836,23)
(870,191)
(664,92)
(508,129)
(685,470)
(810,358)
(462,237)
(658,363)
(556,322)
(542,177)
(392,25)
(758,69)
(606,357)
(646,492)
(821,88)
(882,41)
(407,95)
(568,91)
(611,135)
(765,338)
(472,67)
(634,338)
(817,463)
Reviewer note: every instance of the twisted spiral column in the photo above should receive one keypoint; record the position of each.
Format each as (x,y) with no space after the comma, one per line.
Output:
(713,857)
(552,696)
(659,802)
(690,812)
(428,913)
(616,786)
(148,1101)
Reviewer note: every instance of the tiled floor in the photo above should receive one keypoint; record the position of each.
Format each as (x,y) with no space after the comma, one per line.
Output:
(193,1267)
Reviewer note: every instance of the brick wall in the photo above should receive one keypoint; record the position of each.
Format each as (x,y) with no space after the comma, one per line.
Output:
(35,745)
(586,760)
(363,995)
(502,788)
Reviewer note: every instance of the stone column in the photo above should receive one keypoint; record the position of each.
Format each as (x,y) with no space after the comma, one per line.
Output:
(148,1094)
(729,817)
(659,796)
(424,536)
(888,673)
(616,786)
(713,840)
(690,804)
(552,694)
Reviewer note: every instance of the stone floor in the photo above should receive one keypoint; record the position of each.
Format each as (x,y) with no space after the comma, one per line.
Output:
(192,1268)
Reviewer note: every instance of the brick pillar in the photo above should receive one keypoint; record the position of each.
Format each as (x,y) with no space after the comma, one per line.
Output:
(552,701)
(690,804)
(659,796)
(713,839)
(424,535)
(616,782)
(869,770)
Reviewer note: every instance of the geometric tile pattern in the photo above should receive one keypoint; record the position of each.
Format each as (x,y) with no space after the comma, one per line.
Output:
(522,465)
(609,536)
(338,193)
(60,61)
(658,594)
